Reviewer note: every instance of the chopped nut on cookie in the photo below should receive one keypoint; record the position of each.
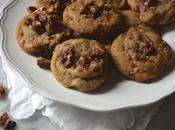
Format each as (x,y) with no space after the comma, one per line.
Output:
(93,55)
(68,57)
(31,9)
(58,38)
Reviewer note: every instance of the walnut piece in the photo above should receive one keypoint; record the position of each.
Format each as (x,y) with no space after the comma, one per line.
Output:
(31,9)
(43,63)
(2,91)
(68,57)
(6,122)
(89,57)
(53,9)
(58,38)
(9,125)
(37,23)
(3,118)
(38,27)
(144,48)
(55,25)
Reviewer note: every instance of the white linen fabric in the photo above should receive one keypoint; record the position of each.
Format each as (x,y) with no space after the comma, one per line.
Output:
(24,103)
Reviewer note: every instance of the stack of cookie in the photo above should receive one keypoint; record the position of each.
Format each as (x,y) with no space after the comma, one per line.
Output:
(82,37)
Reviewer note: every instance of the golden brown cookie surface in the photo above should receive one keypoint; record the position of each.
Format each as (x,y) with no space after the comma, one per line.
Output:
(92,18)
(53,6)
(80,63)
(130,18)
(141,54)
(156,12)
(38,31)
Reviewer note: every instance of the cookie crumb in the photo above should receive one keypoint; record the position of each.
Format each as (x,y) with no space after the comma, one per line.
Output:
(43,63)
(2,90)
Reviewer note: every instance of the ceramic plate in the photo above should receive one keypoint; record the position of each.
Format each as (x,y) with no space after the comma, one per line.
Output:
(116,93)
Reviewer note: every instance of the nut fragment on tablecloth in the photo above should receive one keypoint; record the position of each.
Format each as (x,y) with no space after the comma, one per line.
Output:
(2,90)
(3,118)
(9,125)
(6,122)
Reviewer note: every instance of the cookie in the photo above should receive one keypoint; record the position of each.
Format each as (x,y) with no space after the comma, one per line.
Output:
(130,18)
(92,18)
(80,63)
(141,54)
(53,6)
(38,33)
(155,12)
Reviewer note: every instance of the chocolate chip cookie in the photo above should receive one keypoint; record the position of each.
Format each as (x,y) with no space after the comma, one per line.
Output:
(157,12)
(92,17)
(141,54)
(80,63)
(38,33)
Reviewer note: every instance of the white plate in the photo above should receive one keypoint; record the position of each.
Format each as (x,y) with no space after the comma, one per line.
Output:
(116,93)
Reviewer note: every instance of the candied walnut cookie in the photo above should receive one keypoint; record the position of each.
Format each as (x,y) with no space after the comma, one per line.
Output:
(141,54)
(38,32)
(156,12)
(92,17)
(80,63)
